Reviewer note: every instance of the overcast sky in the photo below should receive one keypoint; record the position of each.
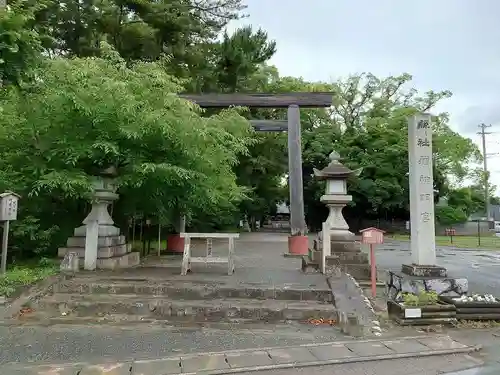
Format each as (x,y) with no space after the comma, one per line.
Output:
(444,44)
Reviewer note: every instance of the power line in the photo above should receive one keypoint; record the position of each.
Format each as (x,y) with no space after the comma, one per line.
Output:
(483,133)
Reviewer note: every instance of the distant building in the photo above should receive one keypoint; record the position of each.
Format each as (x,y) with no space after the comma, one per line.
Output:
(282,209)
(495,212)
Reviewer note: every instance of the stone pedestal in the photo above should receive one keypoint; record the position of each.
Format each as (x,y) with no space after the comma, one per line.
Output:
(345,256)
(98,243)
(112,252)
(399,283)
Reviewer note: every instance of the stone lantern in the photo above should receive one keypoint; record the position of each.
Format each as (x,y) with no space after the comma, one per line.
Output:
(336,244)
(98,242)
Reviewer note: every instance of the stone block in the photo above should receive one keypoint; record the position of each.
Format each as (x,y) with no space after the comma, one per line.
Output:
(399,283)
(331,352)
(200,363)
(291,355)
(425,271)
(358,271)
(101,241)
(70,263)
(104,231)
(107,369)
(157,367)
(122,261)
(245,359)
(102,252)
(344,246)
(406,346)
(350,258)
(441,343)
(369,348)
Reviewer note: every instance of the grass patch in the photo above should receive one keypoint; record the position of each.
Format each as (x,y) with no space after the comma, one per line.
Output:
(23,275)
(486,241)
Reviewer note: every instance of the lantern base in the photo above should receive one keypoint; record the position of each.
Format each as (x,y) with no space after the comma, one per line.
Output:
(423,270)
(298,245)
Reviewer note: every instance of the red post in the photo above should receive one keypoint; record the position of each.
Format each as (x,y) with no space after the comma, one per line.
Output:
(372,236)
(373,270)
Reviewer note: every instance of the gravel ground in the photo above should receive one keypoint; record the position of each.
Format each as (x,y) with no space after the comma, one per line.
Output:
(58,344)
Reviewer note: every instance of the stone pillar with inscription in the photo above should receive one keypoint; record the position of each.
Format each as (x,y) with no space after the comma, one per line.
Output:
(423,232)
(423,274)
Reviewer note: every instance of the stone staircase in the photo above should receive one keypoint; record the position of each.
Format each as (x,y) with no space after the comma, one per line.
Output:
(119,298)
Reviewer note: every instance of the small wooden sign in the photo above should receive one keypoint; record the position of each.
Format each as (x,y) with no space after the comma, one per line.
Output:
(372,236)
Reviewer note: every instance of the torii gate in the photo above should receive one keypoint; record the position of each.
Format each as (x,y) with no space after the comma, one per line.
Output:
(297,242)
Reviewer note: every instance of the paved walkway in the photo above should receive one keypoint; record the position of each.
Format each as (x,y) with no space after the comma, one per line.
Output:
(249,360)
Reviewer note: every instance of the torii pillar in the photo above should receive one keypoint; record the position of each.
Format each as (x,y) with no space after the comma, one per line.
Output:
(298,243)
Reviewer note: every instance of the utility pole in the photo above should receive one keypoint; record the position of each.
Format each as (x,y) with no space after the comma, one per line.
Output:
(483,133)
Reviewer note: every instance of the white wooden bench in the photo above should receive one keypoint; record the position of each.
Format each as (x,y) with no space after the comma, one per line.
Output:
(187,259)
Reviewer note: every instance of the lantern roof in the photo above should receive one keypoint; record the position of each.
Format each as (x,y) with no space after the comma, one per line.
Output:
(335,169)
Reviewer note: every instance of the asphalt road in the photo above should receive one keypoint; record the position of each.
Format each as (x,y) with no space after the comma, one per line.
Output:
(480,267)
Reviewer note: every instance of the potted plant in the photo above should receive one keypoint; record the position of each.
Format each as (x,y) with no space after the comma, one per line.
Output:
(423,308)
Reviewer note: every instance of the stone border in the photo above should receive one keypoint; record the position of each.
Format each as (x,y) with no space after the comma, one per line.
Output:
(375,323)
(81,367)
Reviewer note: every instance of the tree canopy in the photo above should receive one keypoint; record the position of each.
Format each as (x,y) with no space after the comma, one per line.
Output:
(87,85)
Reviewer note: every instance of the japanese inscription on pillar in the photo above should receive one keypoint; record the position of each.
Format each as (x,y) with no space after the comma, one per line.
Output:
(421,189)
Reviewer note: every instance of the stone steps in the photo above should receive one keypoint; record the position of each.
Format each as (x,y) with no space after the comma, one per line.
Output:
(79,305)
(190,291)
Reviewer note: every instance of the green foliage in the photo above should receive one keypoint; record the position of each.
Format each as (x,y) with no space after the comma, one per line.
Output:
(469,199)
(86,114)
(20,276)
(422,299)
(20,43)
(447,215)
(368,128)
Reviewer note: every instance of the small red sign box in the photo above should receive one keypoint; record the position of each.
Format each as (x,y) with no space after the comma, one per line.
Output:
(372,236)
(450,231)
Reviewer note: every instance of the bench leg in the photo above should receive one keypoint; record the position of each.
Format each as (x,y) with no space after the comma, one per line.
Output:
(186,256)
(230,258)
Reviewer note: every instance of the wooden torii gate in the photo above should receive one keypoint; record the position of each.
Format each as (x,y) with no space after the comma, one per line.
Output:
(297,243)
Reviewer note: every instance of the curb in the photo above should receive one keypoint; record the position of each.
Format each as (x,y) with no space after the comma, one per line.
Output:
(393,356)
(381,357)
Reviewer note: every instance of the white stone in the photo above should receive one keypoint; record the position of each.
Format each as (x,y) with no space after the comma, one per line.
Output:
(103,231)
(91,245)
(70,262)
(102,252)
(102,241)
(423,246)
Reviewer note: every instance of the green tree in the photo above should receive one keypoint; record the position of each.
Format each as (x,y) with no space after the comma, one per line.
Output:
(368,127)
(86,114)
(20,43)
(449,216)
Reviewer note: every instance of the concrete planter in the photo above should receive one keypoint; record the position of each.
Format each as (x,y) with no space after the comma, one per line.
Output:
(421,315)
(475,310)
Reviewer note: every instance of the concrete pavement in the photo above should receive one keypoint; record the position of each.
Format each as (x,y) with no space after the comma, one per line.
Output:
(251,360)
